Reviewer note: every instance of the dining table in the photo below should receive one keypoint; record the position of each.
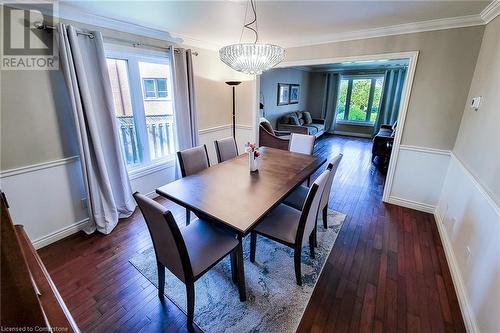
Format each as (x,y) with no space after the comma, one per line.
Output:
(229,195)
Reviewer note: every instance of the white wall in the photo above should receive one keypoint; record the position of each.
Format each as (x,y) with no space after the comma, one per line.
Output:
(469,220)
(468,212)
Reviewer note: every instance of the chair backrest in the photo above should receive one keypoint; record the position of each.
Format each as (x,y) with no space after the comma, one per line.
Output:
(311,206)
(193,160)
(332,166)
(168,243)
(302,143)
(226,149)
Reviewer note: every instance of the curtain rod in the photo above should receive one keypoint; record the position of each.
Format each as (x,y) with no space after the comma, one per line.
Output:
(43,26)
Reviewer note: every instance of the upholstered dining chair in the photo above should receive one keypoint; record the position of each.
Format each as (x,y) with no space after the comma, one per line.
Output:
(191,161)
(189,252)
(226,149)
(297,198)
(291,227)
(302,143)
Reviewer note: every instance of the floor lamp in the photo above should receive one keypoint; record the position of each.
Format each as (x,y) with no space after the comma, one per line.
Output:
(233,84)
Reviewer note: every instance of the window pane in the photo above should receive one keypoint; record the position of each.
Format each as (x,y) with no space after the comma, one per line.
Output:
(118,74)
(149,88)
(379,83)
(359,99)
(158,112)
(161,85)
(342,99)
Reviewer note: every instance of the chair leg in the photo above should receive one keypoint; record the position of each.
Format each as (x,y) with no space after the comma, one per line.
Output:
(296,260)
(190,303)
(253,245)
(161,279)
(234,267)
(188,216)
(325,217)
(241,272)
(311,242)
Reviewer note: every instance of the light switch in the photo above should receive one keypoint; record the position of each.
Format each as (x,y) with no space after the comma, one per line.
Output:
(475,103)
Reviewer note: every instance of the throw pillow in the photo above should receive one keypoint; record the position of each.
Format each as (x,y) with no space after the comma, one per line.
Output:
(293,120)
(301,121)
(307,118)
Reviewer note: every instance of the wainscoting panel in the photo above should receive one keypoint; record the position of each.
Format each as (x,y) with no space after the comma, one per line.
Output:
(468,221)
(418,177)
(50,201)
(47,198)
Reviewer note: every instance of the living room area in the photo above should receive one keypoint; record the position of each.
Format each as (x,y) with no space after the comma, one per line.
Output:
(353,99)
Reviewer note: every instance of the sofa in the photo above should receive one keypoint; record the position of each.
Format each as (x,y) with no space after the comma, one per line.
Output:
(268,137)
(382,144)
(301,122)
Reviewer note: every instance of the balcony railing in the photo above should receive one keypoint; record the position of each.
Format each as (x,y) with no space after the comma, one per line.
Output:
(160,137)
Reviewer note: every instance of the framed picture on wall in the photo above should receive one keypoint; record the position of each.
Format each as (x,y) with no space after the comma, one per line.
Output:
(283,93)
(294,93)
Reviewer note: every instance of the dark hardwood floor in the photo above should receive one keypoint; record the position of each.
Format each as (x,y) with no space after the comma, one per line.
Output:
(387,271)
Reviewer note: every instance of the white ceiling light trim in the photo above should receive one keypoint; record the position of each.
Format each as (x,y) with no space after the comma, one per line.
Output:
(251,58)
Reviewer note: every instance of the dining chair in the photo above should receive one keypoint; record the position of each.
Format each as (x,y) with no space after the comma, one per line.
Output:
(302,143)
(297,198)
(291,227)
(191,161)
(189,252)
(226,149)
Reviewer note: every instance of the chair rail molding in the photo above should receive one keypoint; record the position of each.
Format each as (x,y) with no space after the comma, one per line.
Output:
(467,217)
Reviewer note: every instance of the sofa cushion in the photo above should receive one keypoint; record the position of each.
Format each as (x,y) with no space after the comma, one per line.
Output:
(284,119)
(293,120)
(311,130)
(318,127)
(307,118)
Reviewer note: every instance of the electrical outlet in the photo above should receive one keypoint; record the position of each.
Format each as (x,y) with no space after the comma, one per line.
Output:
(467,252)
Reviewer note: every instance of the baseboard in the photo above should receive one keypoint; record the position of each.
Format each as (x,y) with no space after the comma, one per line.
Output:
(423,207)
(357,135)
(60,234)
(465,307)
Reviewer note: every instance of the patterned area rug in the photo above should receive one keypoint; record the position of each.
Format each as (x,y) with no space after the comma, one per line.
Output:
(275,303)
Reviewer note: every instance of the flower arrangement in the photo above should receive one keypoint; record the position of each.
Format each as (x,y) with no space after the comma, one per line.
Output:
(252,148)
(253,155)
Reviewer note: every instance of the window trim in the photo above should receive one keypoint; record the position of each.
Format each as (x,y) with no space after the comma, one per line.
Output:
(133,57)
(350,78)
(156,90)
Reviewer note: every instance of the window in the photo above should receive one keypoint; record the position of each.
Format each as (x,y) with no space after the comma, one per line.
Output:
(144,112)
(155,88)
(359,98)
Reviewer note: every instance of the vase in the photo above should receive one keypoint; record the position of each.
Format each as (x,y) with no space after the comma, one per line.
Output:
(252,162)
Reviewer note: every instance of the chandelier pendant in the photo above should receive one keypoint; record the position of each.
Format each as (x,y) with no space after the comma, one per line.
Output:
(252,58)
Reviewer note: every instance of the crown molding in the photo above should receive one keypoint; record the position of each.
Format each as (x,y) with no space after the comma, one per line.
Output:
(198,43)
(400,29)
(67,12)
(490,12)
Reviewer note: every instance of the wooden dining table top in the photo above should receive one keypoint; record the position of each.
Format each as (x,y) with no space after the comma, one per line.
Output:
(230,194)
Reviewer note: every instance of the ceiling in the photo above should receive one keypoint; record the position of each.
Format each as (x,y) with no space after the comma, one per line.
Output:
(287,23)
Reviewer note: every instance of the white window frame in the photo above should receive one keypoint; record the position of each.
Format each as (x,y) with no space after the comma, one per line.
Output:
(156,91)
(351,77)
(133,56)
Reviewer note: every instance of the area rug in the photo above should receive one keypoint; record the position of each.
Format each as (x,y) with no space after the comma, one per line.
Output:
(275,303)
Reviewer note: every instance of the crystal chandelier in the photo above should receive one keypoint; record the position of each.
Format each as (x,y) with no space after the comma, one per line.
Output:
(252,58)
